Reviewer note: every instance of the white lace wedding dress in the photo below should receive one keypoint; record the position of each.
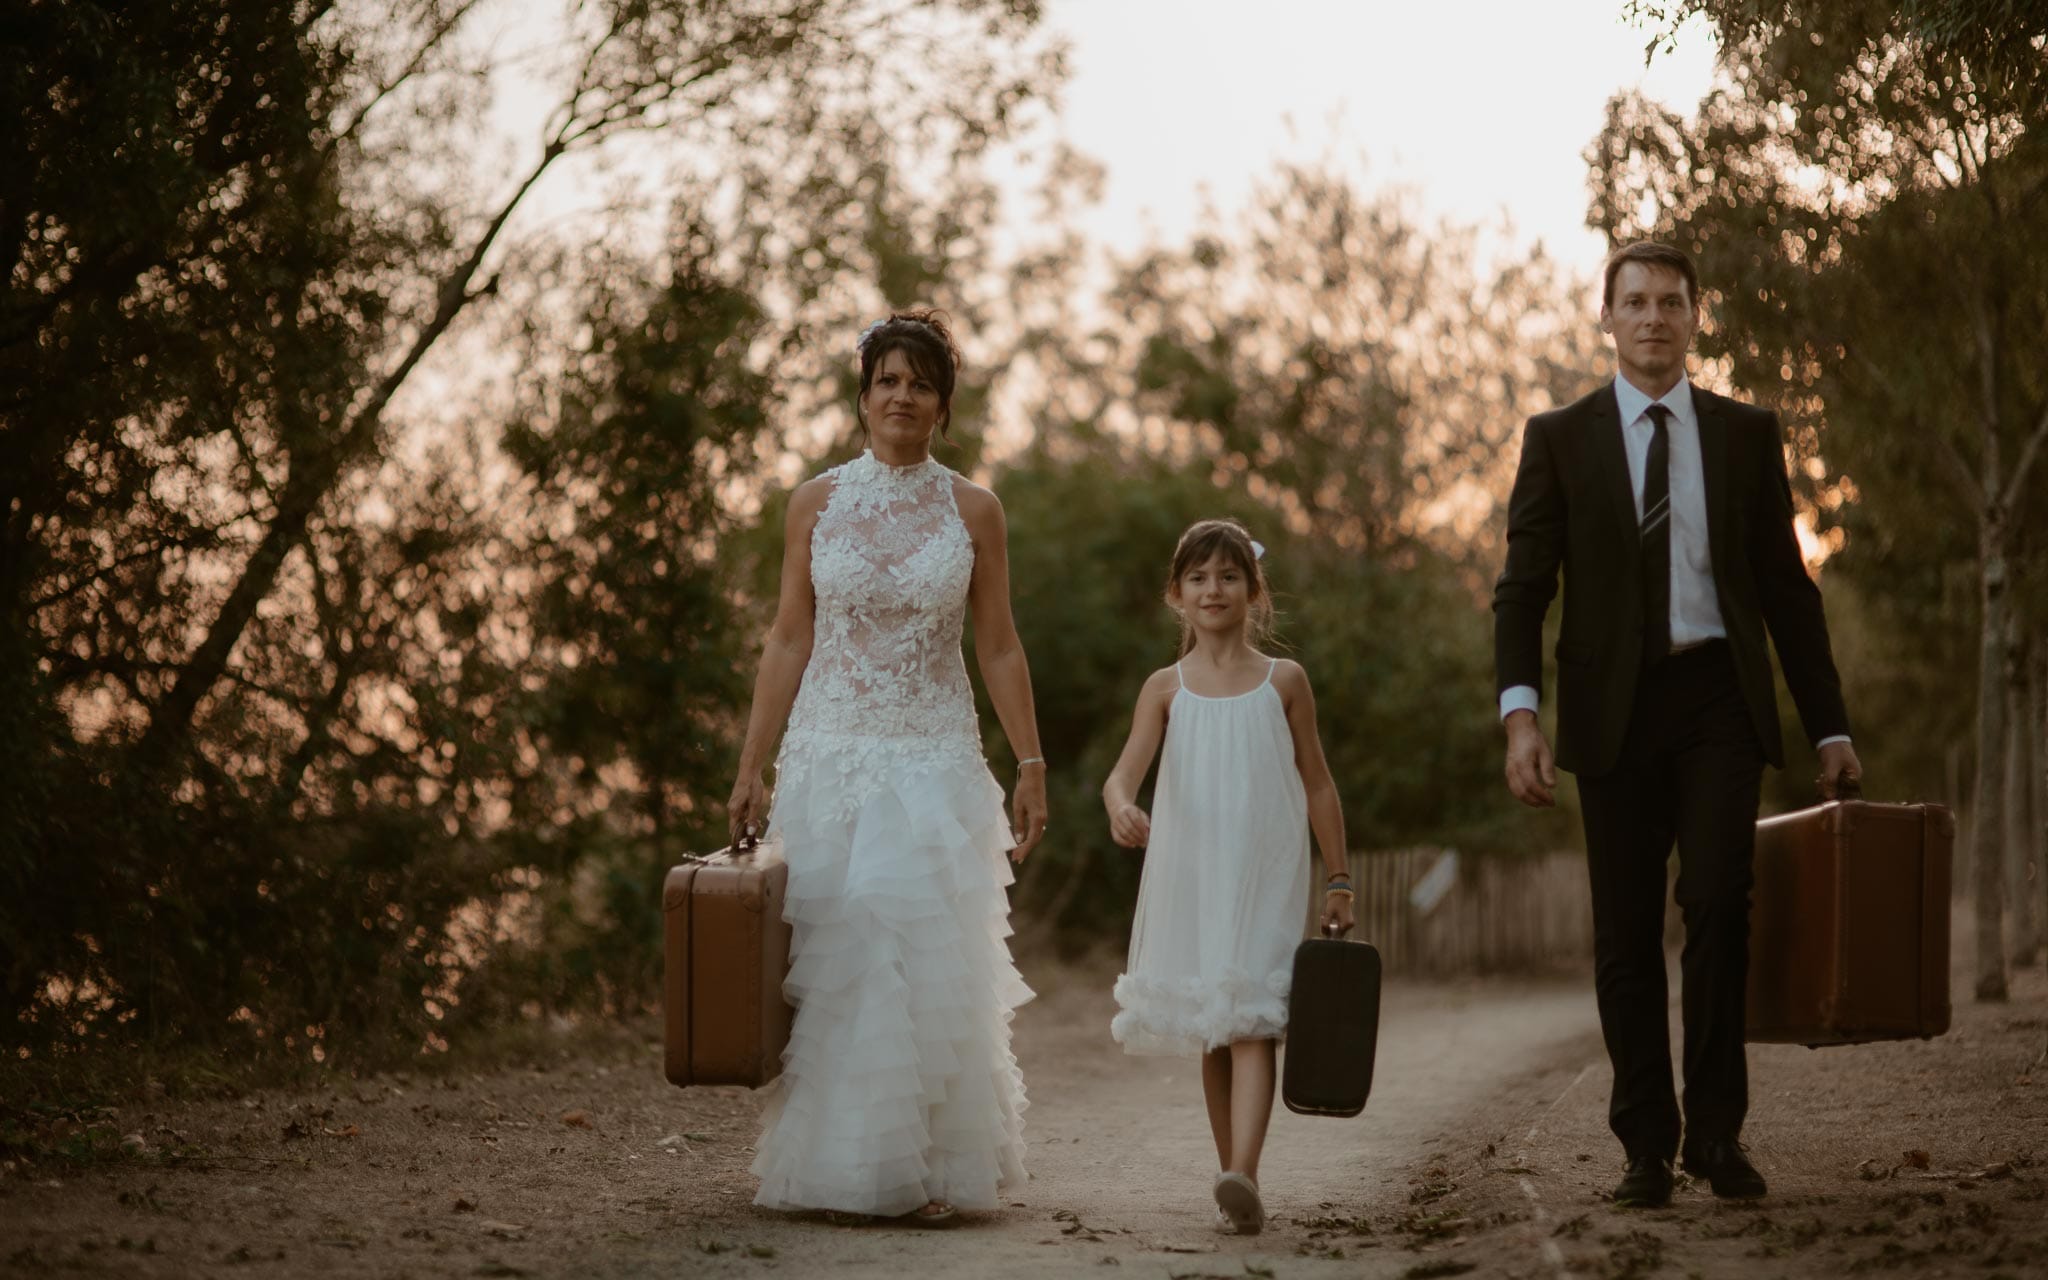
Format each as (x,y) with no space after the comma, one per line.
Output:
(898,1086)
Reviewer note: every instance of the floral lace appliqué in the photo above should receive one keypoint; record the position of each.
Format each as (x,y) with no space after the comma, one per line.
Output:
(886,686)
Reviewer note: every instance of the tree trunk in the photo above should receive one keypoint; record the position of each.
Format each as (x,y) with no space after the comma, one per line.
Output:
(2020,821)
(2038,834)
(1987,861)
(1959,804)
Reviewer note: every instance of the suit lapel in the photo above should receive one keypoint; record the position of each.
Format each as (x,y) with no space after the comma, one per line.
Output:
(1706,411)
(1612,457)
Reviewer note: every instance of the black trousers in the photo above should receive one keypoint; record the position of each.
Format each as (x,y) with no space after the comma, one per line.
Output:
(1690,771)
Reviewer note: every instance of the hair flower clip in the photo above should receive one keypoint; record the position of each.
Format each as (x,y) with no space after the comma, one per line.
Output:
(860,344)
(1258,549)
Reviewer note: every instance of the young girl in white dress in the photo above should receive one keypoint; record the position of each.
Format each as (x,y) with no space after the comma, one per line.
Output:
(1227,869)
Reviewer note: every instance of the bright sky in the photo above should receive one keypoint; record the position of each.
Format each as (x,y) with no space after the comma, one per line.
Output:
(1483,106)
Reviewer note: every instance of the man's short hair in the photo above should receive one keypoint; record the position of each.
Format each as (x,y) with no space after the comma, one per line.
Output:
(1652,254)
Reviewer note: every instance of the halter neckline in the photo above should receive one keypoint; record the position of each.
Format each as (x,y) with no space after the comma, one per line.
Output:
(889,470)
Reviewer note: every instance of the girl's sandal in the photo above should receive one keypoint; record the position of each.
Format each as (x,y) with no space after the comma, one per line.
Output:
(1238,1197)
(936,1213)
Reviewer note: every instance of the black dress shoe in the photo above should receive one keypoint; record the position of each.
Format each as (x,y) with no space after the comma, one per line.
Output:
(1645,1185)
(1726,1170)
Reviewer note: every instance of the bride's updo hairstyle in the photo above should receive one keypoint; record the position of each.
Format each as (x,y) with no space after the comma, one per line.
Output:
(1205,539)
(923,337)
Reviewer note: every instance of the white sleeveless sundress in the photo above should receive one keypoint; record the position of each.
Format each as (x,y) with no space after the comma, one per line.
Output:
(898,1086)
(1224,894)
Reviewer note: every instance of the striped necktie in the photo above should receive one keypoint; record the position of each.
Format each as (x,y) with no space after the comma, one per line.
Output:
(1656,538)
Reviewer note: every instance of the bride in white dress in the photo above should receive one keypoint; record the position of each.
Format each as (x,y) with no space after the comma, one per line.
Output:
(899,1094)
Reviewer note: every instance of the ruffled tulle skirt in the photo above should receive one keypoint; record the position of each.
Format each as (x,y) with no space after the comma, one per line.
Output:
(898,1086)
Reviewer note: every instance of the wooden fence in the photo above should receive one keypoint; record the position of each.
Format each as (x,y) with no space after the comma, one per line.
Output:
(1472,915)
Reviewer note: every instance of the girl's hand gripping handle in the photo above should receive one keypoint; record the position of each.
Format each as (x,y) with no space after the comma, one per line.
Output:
(1337,911)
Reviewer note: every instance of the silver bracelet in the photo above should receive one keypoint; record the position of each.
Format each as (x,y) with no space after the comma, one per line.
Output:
(1030,760)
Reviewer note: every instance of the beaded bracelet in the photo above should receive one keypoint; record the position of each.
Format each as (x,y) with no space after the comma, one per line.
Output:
(1338,889)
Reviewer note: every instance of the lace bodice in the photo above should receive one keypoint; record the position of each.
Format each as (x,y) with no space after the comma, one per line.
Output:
(890,564)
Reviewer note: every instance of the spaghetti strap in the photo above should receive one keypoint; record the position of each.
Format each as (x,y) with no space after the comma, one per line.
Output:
(1180,680)
(1270,664)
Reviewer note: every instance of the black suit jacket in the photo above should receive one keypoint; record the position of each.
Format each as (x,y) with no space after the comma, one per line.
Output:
(1574,508)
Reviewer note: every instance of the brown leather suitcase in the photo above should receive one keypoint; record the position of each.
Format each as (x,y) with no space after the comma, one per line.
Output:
(1849,927)
(727,952)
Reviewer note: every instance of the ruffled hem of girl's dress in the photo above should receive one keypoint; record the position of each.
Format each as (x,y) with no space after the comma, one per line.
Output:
(1185,1016)
(898,1085)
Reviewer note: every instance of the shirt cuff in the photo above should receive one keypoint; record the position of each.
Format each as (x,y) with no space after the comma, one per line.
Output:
(1838,737)
(1521,697)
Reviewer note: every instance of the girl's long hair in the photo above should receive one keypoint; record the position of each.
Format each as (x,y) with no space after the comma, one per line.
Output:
(1207,538)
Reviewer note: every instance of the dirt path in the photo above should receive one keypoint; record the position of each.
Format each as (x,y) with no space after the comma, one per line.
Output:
(1484,1152)
(481,1175)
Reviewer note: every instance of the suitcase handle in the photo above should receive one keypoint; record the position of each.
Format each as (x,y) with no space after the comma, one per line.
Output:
(1332,931)
(738,849)
(1846,788)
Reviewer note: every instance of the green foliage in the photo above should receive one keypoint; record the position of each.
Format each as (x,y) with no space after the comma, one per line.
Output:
(2000,41)
(331,719)
(1364,373)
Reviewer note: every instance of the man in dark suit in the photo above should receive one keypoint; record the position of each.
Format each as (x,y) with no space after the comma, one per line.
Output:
(1668,510)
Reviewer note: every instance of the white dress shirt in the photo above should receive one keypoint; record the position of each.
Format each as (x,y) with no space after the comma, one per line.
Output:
(1695,612)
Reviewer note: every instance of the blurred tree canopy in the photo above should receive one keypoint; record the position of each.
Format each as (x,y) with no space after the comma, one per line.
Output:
(306,691)
(1866,193)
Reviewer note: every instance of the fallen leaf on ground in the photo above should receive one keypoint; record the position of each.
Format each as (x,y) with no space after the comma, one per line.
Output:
(503,1230)
(464,1206)
(1914,1160)
(672,1140)
(577,1119)
(346,1131)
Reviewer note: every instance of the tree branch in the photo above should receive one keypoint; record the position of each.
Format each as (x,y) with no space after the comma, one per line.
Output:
(412,67)
(305,489)
(2016,488)
(150,552)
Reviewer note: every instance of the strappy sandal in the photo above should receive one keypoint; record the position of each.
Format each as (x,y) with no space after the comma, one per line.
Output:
(1238,1196)
(935,1213)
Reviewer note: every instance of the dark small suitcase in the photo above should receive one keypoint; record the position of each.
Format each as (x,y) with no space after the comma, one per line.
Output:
(1333,1027)
(726,952)
(1849,931)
